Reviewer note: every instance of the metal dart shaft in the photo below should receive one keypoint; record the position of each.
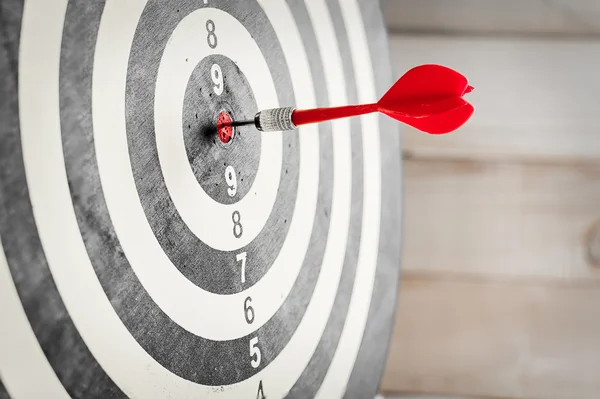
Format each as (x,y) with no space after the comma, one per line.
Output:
(275,119)
(270,120)
(242,123)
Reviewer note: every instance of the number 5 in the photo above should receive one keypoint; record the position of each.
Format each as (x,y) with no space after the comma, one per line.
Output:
(254,351)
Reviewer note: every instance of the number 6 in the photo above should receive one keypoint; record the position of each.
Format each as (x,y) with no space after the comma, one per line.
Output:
(248,311)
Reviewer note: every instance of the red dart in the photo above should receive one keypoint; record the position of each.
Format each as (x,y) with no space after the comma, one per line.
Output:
(428,97)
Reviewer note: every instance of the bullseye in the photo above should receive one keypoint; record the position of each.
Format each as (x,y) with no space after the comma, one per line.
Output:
(224,128)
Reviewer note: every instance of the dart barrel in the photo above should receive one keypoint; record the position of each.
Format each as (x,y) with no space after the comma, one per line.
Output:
(275,119)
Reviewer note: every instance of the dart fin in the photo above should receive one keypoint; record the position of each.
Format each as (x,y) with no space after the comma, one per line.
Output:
(426,82)
(439,123)
(429,98)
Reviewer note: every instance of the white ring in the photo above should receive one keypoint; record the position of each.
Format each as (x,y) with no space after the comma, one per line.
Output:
(336,380)
(20,352)
(209,220)
(184,302)
(137,373)
(117,352)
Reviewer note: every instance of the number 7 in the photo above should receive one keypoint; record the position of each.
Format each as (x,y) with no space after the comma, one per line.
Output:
(242,257)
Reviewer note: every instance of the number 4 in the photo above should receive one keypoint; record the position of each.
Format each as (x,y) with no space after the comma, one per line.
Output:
(242,257)
(261,393)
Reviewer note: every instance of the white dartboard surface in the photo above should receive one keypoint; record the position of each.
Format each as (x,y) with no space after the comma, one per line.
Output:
(141,256)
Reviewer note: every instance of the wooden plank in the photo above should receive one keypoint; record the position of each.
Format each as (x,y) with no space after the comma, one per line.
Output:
(495,339)
(540,17)
(533,98)
(508,220)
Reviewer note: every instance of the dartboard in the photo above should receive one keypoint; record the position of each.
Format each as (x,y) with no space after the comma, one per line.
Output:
(144,255)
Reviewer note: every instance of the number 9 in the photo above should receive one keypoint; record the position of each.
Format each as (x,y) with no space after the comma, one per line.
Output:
(217,78)
(231,180)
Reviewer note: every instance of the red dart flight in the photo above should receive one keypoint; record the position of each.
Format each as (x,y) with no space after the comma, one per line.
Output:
(427,97)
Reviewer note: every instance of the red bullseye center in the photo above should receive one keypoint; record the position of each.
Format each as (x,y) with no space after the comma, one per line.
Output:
(224,128)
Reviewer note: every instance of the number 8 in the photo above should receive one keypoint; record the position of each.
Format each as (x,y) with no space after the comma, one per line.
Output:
(237,224)
(212,37)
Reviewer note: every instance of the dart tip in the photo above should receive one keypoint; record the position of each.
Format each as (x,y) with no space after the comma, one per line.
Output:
(469,89)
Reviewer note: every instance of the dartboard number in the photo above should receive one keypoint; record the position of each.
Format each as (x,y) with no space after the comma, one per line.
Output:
(217,78)
(237,224)
(261,393)
(248,311)
(242,258)
(211,39)
(231,181)
(254,353)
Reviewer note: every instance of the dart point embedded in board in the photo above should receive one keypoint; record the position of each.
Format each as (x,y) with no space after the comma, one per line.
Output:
(428,97)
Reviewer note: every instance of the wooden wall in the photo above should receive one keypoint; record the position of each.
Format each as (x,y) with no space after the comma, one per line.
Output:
(497,17)
(500,292)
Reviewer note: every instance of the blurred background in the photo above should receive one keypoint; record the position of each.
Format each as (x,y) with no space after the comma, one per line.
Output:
(500,290)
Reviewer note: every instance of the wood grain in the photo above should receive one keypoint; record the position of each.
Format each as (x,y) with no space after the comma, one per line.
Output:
(494,339)
(531,17)
(533,99)
(500,290)
(502,219)
(500,294)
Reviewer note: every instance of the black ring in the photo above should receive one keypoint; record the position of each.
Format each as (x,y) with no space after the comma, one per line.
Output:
(211,269)
(210,159)
(194,358)
(65,350)
(313,375)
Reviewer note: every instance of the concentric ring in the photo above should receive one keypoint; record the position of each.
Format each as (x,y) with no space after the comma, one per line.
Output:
(27,255)
(207,219)
(235,152)
(176,297)
(211,267)
(138,320)
(312,377)
(310,321)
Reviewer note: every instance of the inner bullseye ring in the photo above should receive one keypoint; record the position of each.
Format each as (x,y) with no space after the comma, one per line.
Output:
(213,225)
(211,222)
(224,128)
